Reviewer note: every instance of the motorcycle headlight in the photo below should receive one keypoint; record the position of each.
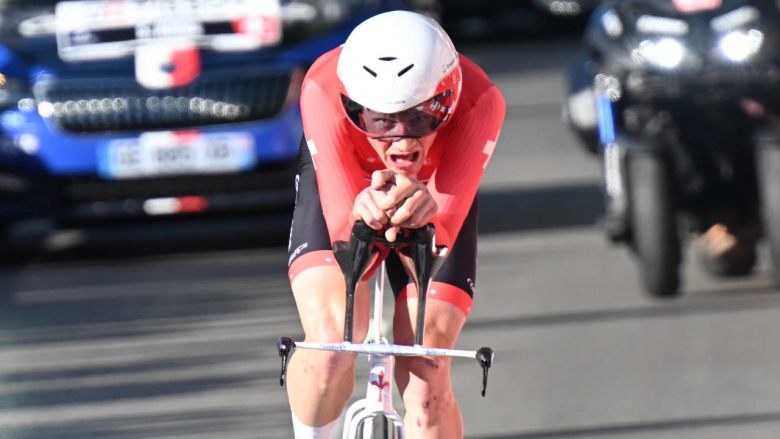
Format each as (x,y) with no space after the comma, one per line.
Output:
(666,53)
(736,19)
(661,25)
(612,24)
(739,46)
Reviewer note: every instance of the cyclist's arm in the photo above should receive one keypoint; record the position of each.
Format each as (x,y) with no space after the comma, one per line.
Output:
(467,148)
(339,175)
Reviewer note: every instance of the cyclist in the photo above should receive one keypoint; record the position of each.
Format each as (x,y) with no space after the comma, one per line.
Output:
(384,143)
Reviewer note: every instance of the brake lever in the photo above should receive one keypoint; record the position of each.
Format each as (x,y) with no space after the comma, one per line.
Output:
(485,359)
(285,346)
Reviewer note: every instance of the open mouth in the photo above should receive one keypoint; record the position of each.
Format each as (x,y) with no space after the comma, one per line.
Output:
(405,160)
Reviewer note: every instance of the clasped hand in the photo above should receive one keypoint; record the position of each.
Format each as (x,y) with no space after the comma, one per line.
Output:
(394,201)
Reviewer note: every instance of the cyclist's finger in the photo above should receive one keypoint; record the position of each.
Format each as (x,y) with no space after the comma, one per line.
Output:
(366,209)
(407,209)
(421,216)
(382,180)
(391,233)
(369,219)
(403,189)
(416,210)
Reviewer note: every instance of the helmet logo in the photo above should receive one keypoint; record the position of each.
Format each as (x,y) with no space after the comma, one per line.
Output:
(448,65)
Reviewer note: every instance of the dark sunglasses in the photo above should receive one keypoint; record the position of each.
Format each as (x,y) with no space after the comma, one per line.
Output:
(419,121)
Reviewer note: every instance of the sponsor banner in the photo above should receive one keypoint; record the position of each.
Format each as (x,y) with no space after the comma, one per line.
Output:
(107,29)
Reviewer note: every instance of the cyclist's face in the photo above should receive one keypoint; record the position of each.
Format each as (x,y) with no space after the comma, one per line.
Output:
(403,155)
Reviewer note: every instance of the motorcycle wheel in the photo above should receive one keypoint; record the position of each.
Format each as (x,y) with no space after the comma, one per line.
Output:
(769,187)
(655,236)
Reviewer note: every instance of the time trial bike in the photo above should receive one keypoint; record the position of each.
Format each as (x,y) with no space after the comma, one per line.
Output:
(374,417)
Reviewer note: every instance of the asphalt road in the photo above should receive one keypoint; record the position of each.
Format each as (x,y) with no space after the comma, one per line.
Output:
(175,338)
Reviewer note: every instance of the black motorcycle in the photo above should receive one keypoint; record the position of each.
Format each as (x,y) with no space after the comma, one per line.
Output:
(680,98)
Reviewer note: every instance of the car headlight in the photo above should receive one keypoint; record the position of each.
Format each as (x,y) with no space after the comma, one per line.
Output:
(739,46)
(12,92)
(666,53)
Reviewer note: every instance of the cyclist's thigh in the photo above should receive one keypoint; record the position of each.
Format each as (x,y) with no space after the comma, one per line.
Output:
(316,279)
(319,297)
(309,243)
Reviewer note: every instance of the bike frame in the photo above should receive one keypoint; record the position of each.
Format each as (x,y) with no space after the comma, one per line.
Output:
(379,388)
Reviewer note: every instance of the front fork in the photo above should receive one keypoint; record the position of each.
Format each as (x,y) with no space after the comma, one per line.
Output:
(379,399)
(613,173)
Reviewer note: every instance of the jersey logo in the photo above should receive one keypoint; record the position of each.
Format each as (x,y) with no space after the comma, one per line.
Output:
(312,151)
(296,252)
(488,151)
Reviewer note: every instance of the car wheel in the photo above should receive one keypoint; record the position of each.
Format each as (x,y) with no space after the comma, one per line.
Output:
(654,233)
(768,168)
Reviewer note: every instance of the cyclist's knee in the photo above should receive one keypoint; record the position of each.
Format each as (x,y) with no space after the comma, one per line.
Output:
(428,393)
(328,367)
(332,366)
(430,370)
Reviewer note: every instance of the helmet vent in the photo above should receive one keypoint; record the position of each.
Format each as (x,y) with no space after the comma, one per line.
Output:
(405,69)
(373,73)
(388,58)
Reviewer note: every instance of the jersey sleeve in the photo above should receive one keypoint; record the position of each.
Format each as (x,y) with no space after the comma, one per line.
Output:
(466,150)
(339,176)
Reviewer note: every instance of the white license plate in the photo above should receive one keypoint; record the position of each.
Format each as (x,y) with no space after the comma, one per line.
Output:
(106,29)
(176,153)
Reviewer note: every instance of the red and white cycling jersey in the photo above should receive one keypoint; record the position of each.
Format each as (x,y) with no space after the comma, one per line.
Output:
(344,160)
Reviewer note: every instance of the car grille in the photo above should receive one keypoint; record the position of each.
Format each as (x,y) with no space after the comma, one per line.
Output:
(87,189)
(115,104)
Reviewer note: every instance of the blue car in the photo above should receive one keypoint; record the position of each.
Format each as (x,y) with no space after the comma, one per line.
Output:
(126,110)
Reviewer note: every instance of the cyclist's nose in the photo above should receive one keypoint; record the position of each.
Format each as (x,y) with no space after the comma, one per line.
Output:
(400,129)
(401,144)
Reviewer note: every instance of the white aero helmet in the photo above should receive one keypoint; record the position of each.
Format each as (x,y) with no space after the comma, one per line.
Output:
(403,65)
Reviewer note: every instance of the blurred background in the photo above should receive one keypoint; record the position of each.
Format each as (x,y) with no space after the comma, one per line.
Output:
(147,157)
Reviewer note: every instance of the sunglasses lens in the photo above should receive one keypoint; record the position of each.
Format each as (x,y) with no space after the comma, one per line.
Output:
(419,121)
